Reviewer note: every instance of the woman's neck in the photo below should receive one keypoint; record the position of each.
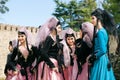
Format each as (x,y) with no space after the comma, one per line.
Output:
(99,25)
(72,46)
(53,36)
(23,44)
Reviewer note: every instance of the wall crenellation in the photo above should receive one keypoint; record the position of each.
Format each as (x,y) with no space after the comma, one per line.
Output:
(9,27)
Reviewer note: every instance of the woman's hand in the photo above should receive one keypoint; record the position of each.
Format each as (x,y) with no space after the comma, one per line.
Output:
(91,58)
(15,72)
(9,71)
(55,69)
(87,60)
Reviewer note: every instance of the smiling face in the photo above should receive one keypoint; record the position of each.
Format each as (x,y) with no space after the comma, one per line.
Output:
(70,40)
(21,38)
(94,20)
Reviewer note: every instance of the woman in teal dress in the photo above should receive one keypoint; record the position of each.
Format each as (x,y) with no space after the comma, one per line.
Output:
(101,68)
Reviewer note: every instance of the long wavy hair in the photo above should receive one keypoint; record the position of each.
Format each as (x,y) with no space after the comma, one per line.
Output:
(106,19)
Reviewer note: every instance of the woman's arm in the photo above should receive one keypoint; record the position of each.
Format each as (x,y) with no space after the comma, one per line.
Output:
(44,51)
(102,44)
(14,54)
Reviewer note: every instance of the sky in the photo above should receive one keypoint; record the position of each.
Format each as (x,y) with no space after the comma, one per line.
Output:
(28,12)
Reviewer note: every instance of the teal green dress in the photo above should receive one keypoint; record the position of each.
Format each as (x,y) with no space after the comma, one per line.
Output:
(99,71)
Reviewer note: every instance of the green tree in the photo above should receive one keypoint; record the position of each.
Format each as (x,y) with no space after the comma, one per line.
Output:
(3,8)
(113,7)
(73,13)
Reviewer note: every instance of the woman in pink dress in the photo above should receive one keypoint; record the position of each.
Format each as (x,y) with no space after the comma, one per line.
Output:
(83,49)
(70,64)
(10,66)
(23,56)
(47,44)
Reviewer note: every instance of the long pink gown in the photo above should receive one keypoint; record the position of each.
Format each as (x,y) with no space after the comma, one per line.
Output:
(84,73)
(48,73)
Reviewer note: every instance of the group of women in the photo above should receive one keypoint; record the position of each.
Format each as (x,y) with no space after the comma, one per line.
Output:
(60,54)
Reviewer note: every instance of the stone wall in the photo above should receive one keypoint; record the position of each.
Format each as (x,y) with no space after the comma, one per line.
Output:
(7,33)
